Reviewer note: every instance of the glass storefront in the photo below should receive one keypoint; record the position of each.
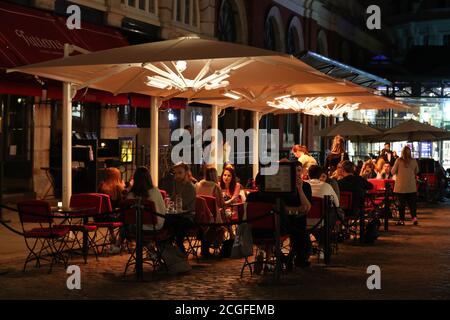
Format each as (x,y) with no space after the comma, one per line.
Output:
(433,111)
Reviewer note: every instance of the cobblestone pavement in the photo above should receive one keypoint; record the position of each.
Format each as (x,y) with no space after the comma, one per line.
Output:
(414,262)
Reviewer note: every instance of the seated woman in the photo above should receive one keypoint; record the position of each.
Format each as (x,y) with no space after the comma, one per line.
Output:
(143,188)
(113,186)
(368,170)
(231,190)
(208,186)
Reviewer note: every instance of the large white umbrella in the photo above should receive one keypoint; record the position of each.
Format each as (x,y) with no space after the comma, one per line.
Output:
(187,67)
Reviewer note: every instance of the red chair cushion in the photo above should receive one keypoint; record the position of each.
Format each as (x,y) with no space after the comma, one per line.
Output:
(83,227)
(112,224)
(46,232)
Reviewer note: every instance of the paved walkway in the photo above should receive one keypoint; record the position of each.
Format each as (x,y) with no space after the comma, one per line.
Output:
(414,262)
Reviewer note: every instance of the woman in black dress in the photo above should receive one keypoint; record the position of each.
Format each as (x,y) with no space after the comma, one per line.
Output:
(336,155)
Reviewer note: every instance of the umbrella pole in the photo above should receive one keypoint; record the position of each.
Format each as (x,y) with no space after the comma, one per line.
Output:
(214,137)
(255,159)
(66,145)
(67,139)
(154,143)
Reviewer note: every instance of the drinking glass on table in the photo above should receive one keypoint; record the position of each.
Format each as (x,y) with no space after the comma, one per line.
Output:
(178,203)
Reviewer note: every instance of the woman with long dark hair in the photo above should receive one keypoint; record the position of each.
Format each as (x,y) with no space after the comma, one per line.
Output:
(406,169)
(143,188)
(208,186)
(230,187)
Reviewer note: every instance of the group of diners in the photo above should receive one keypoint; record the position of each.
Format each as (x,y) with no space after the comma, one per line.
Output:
(337,176)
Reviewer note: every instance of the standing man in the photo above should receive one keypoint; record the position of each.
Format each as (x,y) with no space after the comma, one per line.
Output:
(387,154)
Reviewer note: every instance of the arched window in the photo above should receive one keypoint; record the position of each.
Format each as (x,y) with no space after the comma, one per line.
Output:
(232,22)
(186,12)
(294,40)
(322,43)
(226,25)
(273,37)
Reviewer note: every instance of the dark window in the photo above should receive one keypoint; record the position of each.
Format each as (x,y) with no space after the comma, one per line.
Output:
(270,34)
(85,119)
(179,10)
(292,45)
(226,28)
(127,115)
(187,11)
(142,117)
(446,40)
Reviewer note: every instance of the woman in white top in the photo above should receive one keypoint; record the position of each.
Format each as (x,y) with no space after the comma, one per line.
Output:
(406,169)
(301,152)
(143,187)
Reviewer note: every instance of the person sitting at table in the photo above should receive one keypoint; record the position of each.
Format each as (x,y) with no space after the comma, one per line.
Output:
(338,173)
(183,189)
(231,189)
(355,184)
(368,170)
(301,152)
(293,225)
(332,182)
(191,177)
(143,188)
(167,182)
(113,186)
(209,186)
(320,188)
(385,173)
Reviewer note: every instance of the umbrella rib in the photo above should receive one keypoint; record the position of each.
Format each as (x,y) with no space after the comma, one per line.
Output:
(115,70)
(129,83)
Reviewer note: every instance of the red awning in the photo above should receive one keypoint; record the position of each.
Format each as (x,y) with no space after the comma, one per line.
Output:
(29,36)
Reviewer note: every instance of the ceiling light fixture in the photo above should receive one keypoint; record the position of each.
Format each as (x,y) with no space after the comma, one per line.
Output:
(298,105)
(231,95)
(170,75)
(336,111)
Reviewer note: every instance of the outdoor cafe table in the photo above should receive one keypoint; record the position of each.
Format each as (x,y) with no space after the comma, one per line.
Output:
(69,213)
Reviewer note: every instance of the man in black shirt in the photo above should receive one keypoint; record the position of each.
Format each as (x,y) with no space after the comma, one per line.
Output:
(387,154)
(354,184)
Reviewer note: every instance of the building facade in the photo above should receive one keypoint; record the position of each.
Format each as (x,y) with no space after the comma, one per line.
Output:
(32,120)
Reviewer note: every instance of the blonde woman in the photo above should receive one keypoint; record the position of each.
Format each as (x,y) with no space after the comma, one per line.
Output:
(406,169)
(336,155)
